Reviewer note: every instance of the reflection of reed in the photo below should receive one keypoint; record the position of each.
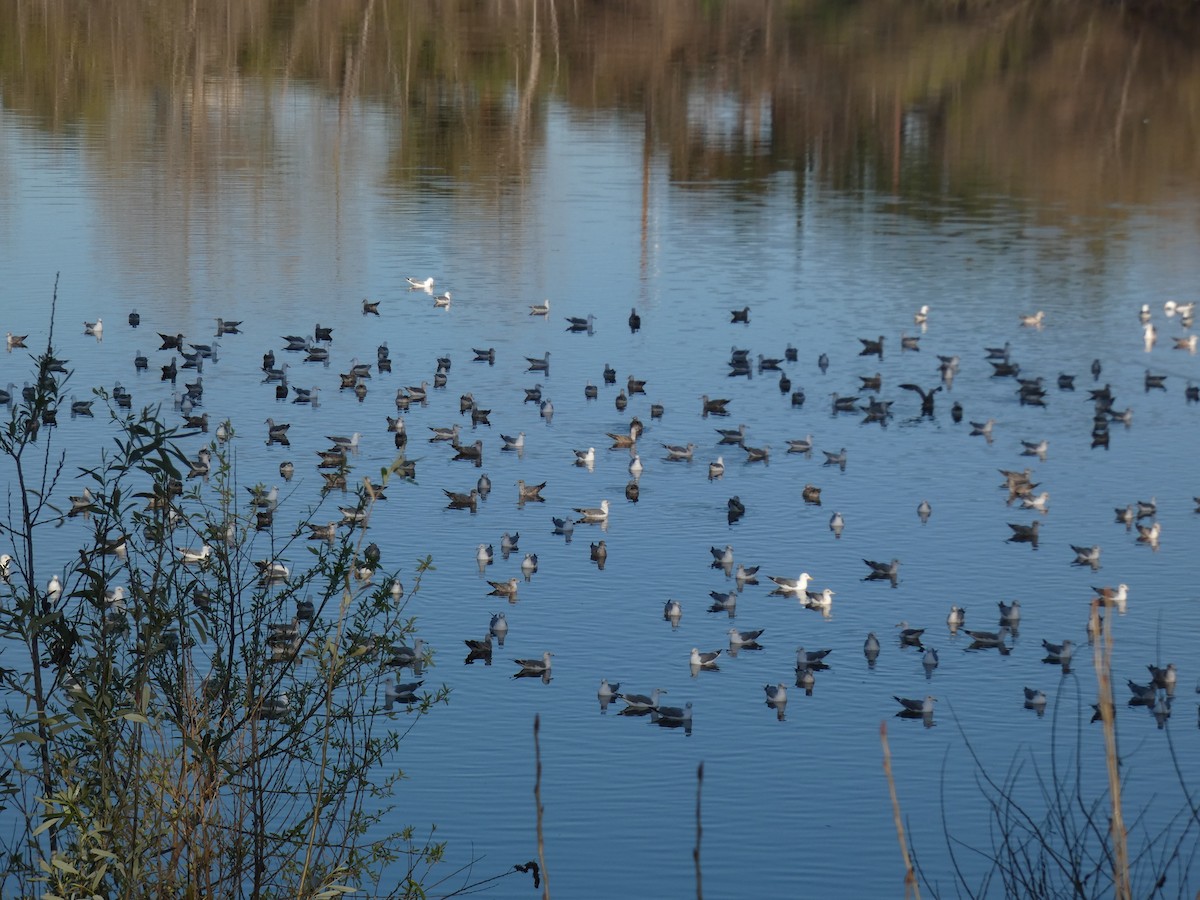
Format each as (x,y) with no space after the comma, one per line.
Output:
(1042,99)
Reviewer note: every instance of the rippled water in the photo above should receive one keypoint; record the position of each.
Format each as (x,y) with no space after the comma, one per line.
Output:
(794,802)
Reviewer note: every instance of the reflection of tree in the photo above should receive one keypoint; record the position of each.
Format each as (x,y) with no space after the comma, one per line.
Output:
(1079,101)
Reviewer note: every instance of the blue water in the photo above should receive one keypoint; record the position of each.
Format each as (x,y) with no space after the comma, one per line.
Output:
(793,803)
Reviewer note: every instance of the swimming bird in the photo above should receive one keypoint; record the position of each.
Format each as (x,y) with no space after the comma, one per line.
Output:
(444,434)
(488,356)
(983,428)
(802,445)
(401,693)
(1035,699)
(527,493)
(535,666)
(930,659)
(1058,653)
(920,707)
(1033,321)
(564,525)
(420,284)
(442,301)
(577,323)
(741,638)
(472,452)
(926,396)
(819,600)
(871,347)
(1022,533)
(1010,613)
(735,507)
(539,365)
(740,315)
(188,556)
(714,407)
(835,459)
(956,618)
(369,307)
(871,648)
(540,309)
(985,639)
(716,469)
(732,435)
(54,588)
(484,554)
(1041,502)
(462,501)
(585,457)
(641,702)
(757,454)
(593,514)
(924,511)
(672,609)
(791,585)
(910,636)
(836,524)
(707,660)
(883,570)
(498,625)
(529,565)
(776,694)
(675,451)
(921,316)
(1086,556)
(810,659)
(504,589)
(1163,677)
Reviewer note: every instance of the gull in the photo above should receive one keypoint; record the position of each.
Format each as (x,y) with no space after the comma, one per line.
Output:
(714,407)
(442,301)
(757,454)
(83,503)
(1033,321)
(421,284)
(1149,534)
(635,465)
(401,693)
(1163,678)
(737,509)
(607,691)
(1149,336)
(269,570)
(924,511)
(533,394)
(807,660)
(672,609)
(273,707)
(1086,556)
(1142,693)
(6,561)
(921,707)
(469,451)
(707,659)
(921,316)
(883,570)
(871,648)
(983,428)
(344,442)
(599,553)
(805,679)
(988,638)
(513,443)
(926,396)
(822,600)
(504,589)
(732,435)
(535,666)
(540,309)
(740,315)
(674,451)
(746,575)
(673,716)
(539,365)
(716,469)
(1040,502)
(54,587)
(792,585)
(1035,448)
(564,525)
(776,693)
(722,557)
(1010,613)
(641,702)
(593,514)
(956,618)
(1186,343)
(835,459)
(484,554)
(529,565)
(188,556)
(529,492)
(870,347)
(910,636)
(585,457)
(836,524)
(444,434)
(741,638)
(578,323)
(462,501)
(487,356)
(811,494)
(930,659)
(16,340)
(765,363)
(803,445)
(1058,653)
(1035,699)
(1022,533)
(498,626)
(94,328)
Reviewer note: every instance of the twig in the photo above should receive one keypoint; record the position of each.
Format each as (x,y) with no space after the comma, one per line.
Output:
(537,801)
(910,878)
(1102,655)
(699,832)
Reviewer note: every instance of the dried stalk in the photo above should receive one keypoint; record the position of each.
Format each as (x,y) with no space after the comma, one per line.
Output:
(910,877)
(1102,656)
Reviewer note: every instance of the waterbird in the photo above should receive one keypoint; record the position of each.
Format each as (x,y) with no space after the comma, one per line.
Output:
(740,638)
(714,407)
(442,301)
(420,284)
(1022,533)
(539,365)
(1034,320)
(593,514)
(1086,556)
(498,625)
(1035,699)
(707,660)
(740,315)
(910,636)
(836,524)
(813,659)
(672,609)
(776,694)
(871,347)
(190,556)
(871,648)
(1010,613)
(1058,653)
(535,666)
(504,589)
(882,569)
(791,585)
(835,458)
(462,501)
(564,525)
(585,457)
(921,707)
(757,454)
(540,309)
(530,492)
(401,693)
(578,323)
(924,511)
(801,445)
(983,428)
(529,565)
(956,618)
(1163,677)
(736,508)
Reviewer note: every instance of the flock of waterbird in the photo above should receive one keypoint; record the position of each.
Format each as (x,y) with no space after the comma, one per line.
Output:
(334,465)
